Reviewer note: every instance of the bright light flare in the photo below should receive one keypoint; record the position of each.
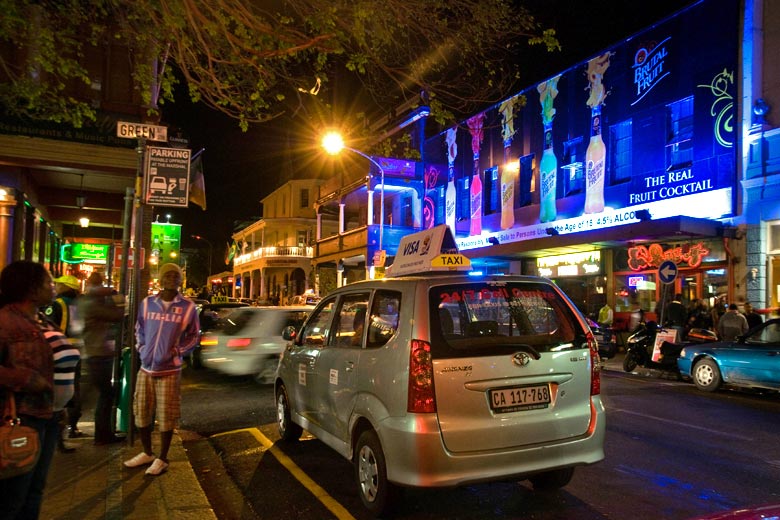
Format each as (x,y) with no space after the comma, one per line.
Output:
(333,143)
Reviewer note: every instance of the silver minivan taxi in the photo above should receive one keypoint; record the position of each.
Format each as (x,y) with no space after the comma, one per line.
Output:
(446,379)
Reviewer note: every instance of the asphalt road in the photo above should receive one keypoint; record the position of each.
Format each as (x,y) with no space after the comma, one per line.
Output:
(672,452)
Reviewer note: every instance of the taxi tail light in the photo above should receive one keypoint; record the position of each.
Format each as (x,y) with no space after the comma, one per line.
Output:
(595,364)
(239,343)
(422,398)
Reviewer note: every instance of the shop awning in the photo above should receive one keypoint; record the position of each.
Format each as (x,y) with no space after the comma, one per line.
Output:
(671,229)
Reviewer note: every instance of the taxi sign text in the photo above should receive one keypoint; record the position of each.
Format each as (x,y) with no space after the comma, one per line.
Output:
(450,261)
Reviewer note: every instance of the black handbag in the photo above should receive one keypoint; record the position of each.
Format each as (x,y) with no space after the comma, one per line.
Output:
(20,446)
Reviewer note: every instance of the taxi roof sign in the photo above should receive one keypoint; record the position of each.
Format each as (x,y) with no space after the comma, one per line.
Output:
(432,250)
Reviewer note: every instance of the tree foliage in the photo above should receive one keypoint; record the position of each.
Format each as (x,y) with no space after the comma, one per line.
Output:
(255,60)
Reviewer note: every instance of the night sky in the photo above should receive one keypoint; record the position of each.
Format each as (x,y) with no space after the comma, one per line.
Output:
(242,168)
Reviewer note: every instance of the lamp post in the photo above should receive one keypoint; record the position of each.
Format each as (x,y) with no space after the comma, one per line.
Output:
(333,143)
(208,271)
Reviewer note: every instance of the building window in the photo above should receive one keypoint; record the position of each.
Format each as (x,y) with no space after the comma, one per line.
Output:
(304,198)
(620,143)
(526,184)
(492,191)
(679,134)
(572,167)
(301,238)
(464,198)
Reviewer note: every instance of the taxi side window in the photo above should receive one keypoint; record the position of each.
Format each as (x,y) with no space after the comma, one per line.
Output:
(317,329)
(384,317)
(351,320)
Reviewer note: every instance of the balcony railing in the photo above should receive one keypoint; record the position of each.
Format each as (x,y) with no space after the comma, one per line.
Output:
(275,252)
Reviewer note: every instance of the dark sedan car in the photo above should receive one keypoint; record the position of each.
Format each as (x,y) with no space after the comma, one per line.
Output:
(751,361)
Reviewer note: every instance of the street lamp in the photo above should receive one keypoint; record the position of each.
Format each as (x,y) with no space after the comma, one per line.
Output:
(198,237)
(333,143)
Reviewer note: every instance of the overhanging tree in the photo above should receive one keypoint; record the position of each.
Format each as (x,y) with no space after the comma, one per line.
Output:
(256,60)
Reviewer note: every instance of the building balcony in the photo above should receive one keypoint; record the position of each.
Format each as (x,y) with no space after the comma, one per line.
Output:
(274,252)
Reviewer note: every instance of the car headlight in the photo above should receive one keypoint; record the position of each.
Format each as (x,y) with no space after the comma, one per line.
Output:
(682,353)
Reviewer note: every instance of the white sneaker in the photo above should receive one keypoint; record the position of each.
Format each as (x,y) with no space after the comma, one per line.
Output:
(141,459)
(157,467)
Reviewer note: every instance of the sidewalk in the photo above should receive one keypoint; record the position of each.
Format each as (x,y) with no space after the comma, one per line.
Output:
(92,483)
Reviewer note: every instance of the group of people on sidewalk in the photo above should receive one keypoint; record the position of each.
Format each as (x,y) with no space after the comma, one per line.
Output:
(46,327)
(724,319)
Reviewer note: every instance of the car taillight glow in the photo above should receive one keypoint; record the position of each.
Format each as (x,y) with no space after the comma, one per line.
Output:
(422,398)
(238,343)
(208,341)
(595,364)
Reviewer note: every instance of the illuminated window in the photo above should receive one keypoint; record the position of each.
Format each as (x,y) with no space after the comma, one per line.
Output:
(679,134)
(620,143)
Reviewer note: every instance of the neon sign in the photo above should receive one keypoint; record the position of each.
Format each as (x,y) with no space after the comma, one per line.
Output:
(641,257)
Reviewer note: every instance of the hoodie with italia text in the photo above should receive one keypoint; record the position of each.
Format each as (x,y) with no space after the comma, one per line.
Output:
(165,331)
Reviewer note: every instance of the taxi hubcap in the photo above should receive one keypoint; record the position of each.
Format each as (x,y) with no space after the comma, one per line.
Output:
(368,473)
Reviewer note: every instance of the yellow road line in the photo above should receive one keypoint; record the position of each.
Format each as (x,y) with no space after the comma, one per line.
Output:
(314,488)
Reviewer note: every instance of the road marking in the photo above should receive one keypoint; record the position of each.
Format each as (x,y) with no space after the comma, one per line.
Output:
(314,488)
(677,423)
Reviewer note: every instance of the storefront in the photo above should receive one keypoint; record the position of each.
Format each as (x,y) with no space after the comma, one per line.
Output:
(703,273)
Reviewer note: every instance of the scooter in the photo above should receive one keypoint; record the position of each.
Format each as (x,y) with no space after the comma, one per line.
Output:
(639,348)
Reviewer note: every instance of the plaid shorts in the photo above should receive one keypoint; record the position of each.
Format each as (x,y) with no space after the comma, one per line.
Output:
(160,396)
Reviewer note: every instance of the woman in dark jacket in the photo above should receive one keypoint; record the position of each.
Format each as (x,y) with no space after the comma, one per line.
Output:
(27,375)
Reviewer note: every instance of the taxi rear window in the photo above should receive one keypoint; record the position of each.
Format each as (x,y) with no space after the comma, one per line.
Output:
(491,316)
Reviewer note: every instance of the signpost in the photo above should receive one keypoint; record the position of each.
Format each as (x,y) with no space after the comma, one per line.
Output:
(667,272)
(167,176)
(141,131)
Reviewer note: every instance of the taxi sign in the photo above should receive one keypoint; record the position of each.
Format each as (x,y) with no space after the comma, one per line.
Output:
(432,250)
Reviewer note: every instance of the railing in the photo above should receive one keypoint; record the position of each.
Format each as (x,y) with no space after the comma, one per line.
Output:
(274,251)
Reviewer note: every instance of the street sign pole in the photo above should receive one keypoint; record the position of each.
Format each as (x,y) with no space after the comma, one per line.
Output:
(667,273)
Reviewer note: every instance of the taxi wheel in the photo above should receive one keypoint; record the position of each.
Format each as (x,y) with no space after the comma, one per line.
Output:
(706,375)
(376,492)
(552,480)
(288,430)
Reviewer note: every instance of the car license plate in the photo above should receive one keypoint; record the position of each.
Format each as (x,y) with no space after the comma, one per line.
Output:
(518,398)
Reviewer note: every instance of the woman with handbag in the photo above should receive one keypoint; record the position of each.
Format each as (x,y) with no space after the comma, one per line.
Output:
(27,376)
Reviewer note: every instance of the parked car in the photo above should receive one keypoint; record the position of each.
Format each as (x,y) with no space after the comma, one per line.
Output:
(606,339)
(752,361)
(249,340)
(210,315)
(433,379)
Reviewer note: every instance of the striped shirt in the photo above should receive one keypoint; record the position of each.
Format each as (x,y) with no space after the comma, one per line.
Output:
(66,357)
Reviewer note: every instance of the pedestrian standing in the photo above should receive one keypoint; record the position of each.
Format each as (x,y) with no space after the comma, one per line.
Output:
(166,330)
(63,312)
(27,375)
(753,318)
(732,324)
(100,315)
(66,358)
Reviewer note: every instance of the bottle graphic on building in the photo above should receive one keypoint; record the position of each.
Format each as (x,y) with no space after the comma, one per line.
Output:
(475,193)
(594,165)
(510,170)
(548,166)
(548,178)
(508,176)
(475,227)
(451,195)
(450,200)
(596,153)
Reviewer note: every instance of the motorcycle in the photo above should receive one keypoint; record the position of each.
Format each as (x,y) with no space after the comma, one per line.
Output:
(640,345)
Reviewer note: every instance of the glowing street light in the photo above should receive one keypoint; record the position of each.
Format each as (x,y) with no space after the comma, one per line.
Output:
(333,143)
